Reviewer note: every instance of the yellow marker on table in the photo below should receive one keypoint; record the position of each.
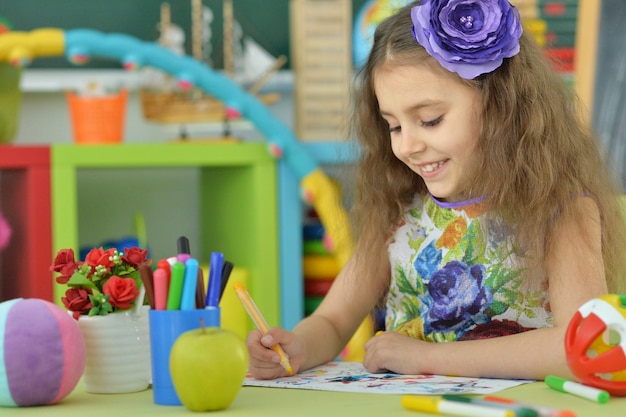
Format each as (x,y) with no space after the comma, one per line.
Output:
(436,405)
(260,322)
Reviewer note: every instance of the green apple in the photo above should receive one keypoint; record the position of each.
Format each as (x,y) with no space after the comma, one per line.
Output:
(208,366)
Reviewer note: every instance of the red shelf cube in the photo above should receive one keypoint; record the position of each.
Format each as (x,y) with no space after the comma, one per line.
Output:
(25,202)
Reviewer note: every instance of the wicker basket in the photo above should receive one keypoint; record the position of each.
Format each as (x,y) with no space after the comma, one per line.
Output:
(187,107)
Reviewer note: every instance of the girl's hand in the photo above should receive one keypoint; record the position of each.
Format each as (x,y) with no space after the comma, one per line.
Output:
(265,362)
(391,351)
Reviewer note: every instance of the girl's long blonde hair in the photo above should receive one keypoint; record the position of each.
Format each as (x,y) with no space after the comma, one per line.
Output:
(536,154)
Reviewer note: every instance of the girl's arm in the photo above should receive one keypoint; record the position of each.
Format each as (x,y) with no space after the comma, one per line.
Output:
(575,271)
(320,337)
(529,355)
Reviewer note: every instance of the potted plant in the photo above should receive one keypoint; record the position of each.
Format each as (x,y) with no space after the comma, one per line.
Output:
(104,293)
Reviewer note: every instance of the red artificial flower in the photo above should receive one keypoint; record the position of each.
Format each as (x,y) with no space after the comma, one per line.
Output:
(122,291)
(67,271)
(65,264)
(100,257)
(113,288)
(134,256)
(77,301)
(64,257)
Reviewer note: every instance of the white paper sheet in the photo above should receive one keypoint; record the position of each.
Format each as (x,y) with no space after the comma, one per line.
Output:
(353,377)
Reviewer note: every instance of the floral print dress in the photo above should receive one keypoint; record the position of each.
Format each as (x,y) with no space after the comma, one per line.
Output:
(453,278)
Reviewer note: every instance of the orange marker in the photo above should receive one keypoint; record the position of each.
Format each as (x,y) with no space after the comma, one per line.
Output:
(260,322)
(164,265)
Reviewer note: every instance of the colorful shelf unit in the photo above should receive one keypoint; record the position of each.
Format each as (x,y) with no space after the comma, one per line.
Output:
(238,202)
(25,203)
(327,154)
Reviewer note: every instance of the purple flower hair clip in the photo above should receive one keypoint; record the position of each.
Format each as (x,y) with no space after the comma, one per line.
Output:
(469,37)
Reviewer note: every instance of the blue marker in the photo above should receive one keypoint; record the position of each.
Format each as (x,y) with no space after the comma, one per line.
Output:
(215,279)
(188,299)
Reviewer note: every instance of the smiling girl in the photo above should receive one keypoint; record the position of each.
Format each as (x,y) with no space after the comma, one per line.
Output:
(484,212)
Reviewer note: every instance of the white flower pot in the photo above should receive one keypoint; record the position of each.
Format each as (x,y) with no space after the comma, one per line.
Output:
(118,352)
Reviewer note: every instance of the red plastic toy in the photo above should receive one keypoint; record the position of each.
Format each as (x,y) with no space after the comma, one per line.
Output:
(595,343)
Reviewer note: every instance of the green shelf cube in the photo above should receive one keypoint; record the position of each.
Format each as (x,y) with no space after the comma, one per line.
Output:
(238,202)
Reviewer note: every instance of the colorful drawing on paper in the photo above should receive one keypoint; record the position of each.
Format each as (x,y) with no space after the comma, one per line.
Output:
(353,377)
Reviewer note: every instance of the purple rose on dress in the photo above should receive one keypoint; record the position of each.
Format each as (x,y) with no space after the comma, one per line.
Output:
(459,298)
(469,37)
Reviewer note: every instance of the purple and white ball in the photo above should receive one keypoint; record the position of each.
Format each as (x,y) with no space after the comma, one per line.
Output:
(42,353)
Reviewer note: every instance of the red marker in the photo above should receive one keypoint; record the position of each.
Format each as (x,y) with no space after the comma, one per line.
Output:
(543,411)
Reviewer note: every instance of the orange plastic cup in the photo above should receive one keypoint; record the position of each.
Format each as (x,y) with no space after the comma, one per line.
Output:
(98,119)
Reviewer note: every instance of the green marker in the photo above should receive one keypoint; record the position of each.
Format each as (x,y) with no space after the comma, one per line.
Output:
(580,390)
(519,411)
(176,286)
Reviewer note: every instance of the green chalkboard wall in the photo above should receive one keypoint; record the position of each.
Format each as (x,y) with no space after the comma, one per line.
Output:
(266,21)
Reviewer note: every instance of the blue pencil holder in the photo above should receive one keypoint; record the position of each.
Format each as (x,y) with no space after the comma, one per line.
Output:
(165,327)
